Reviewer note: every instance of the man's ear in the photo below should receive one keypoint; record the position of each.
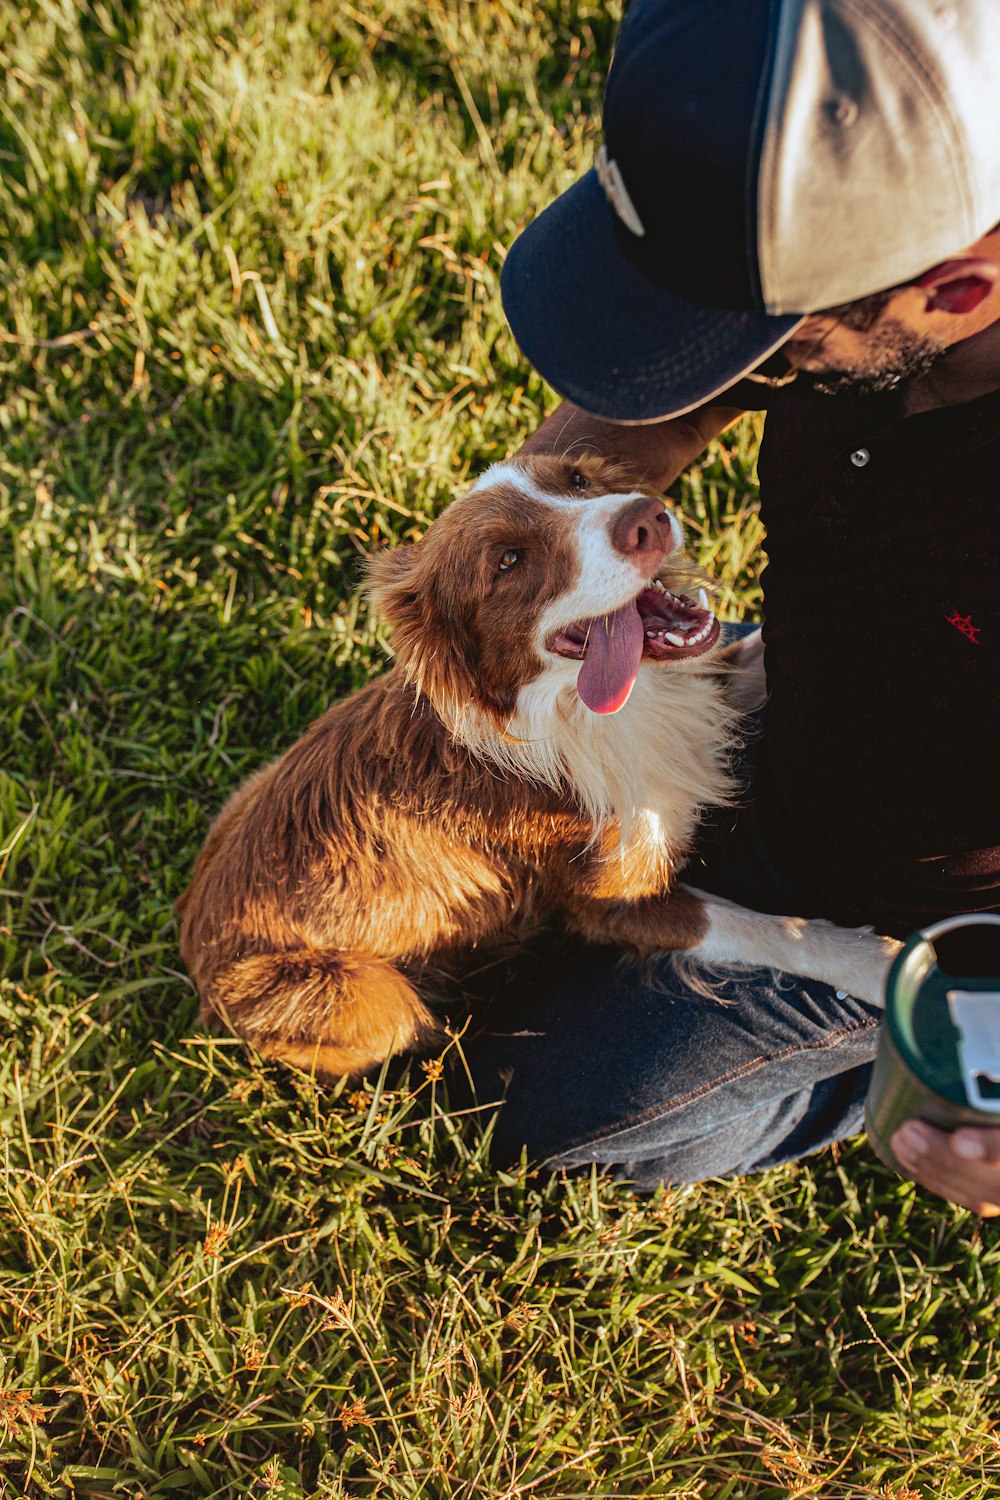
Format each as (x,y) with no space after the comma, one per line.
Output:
(959,286)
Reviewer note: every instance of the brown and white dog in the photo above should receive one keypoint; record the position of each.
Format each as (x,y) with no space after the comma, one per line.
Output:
(556,720)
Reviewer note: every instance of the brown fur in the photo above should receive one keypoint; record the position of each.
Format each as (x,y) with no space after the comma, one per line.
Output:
(379,843)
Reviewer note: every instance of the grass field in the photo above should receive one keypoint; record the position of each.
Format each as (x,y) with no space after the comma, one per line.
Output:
(249,329)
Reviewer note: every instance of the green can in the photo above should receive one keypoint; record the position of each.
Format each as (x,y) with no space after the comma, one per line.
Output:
(939,1048)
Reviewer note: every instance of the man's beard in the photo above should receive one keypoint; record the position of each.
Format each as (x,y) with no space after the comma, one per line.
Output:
(894,354)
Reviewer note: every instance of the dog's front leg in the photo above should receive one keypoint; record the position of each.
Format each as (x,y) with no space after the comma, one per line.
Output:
(854,959)
(718,934)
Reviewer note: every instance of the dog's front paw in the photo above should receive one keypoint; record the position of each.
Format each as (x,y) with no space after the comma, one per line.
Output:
(866,972)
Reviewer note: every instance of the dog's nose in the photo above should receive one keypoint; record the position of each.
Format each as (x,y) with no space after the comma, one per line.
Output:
(643,528)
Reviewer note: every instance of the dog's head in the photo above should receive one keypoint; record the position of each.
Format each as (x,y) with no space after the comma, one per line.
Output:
(546,561)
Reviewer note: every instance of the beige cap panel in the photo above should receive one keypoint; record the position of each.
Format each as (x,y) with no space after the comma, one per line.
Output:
(881,149)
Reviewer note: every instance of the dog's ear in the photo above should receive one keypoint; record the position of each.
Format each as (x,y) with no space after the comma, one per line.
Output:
(433,645)
(392,576)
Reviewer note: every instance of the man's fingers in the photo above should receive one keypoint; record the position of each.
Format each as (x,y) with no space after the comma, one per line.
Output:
(967,1144)
(963,1167)
(976,1145)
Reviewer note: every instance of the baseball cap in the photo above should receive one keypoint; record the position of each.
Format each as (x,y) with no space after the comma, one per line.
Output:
(762,160)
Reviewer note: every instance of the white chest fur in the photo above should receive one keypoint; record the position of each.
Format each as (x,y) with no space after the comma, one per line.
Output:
(650,767)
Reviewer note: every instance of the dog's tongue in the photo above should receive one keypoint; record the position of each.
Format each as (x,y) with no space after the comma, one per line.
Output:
(614,651)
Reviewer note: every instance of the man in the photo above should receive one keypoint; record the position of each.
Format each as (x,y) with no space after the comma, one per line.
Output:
(769,169)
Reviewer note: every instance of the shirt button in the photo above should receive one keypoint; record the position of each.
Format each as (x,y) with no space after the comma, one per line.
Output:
(860,457)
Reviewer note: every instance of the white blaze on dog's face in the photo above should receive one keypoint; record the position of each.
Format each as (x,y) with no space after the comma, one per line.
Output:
(546,560)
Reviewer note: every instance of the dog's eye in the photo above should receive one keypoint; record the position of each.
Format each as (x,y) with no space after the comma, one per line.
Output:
(579,481)
(510,559)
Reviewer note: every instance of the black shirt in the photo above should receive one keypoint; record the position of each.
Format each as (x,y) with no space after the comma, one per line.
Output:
(879,783)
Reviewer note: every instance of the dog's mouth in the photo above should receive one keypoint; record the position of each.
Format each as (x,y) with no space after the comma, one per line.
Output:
(655,626)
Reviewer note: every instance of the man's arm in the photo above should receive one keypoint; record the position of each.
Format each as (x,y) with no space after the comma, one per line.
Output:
(656,451)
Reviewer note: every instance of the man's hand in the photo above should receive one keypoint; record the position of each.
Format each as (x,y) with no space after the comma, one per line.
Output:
(747,688)
(963,1167)
(656,452)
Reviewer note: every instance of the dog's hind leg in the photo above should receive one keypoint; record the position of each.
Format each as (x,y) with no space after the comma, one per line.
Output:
(334,1014)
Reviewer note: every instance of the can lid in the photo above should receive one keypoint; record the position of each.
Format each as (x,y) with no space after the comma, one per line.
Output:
(943,1009)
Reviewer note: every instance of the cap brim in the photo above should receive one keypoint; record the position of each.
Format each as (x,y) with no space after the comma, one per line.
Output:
(608,339)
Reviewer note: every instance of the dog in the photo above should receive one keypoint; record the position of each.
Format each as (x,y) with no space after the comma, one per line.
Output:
(555,723)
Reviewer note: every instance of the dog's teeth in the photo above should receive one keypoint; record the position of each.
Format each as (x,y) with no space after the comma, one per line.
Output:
(703,599)
(658,585)
(674,638)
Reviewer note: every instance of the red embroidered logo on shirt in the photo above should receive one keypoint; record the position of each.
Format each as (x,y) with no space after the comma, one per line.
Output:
(965,625)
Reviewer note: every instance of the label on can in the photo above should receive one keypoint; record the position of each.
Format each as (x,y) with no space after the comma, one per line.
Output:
(976,1015)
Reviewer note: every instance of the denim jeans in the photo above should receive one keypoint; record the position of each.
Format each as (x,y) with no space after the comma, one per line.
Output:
(598,1060)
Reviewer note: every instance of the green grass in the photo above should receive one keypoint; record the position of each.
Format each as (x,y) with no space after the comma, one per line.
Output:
(249,329)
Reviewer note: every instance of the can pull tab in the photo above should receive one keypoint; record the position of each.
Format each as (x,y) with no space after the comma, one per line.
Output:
(976,1013)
